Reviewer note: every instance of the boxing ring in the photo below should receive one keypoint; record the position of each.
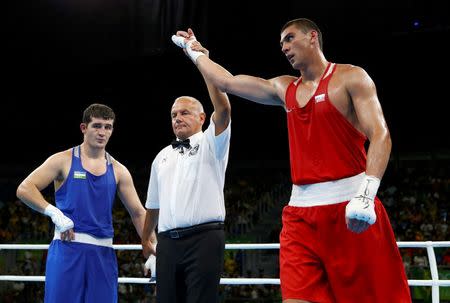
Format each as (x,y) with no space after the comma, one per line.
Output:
(434,283)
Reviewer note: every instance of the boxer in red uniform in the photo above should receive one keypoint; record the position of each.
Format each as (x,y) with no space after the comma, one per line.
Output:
(337,244)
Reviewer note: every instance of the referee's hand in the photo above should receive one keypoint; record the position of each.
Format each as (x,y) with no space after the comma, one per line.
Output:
(148,248)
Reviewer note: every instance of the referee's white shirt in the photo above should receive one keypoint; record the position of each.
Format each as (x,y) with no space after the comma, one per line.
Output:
(187,187)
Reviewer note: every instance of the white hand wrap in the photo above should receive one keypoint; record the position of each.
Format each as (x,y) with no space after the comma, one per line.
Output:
(362,206)
(62,223)
(179,41)
(150,264)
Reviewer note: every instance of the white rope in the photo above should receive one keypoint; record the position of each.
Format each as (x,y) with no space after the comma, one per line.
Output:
(139,247)
(246,246)
(435,283)
(225,281)
(403,244)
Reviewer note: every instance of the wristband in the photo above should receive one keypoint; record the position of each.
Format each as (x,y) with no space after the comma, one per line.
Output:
(180,42)
(368,188)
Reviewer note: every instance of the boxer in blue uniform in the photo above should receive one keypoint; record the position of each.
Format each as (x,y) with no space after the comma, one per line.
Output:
(81,263)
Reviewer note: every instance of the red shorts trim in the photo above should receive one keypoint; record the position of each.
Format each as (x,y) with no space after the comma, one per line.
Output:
(322,261)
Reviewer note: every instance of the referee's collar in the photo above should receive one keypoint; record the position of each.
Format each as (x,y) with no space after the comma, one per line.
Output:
(195,138)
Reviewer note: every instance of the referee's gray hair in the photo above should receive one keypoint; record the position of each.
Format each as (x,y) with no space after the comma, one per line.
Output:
(194,101)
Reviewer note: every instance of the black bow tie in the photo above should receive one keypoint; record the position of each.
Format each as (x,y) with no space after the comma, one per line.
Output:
(178,144)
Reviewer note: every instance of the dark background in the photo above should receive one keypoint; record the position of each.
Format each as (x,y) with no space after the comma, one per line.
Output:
(60,56)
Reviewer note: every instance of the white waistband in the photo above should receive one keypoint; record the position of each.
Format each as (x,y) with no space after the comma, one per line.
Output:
(325,193)
(87,239)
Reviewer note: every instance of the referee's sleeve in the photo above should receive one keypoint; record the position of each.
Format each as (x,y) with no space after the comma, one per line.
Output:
(221,142)
(152,191)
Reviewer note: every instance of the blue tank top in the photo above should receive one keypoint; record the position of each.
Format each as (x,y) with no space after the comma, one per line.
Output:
(88,199)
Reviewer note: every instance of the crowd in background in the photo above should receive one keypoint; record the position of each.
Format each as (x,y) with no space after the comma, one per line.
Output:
(416,199)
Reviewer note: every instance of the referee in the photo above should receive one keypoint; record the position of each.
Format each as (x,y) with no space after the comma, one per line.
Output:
(185,199)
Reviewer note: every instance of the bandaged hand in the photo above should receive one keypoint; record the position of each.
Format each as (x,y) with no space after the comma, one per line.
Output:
(150,265)
(187,41)
(62,223)
(360,211)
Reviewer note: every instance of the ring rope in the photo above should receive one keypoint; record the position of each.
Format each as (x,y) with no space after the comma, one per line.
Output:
(435,283)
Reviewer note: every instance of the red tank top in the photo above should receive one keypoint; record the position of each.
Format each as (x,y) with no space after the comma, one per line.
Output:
(323,144)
